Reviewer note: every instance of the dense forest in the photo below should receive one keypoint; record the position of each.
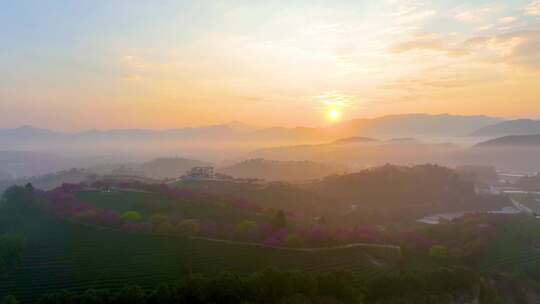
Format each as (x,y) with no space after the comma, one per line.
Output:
(443,285)
(393,193)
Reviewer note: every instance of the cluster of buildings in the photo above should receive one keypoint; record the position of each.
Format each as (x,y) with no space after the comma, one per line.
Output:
(199,173)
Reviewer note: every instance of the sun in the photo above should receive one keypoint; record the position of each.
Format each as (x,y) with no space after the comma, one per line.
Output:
(333,115)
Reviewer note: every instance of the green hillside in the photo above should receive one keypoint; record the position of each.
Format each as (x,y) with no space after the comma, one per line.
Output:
(62,255)
(517,248)
(119,200)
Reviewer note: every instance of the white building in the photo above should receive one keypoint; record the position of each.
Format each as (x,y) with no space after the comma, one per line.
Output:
(199,173)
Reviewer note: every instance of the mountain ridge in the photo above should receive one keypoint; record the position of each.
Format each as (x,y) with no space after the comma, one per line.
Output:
(510,127)
(512,140)
(399,125)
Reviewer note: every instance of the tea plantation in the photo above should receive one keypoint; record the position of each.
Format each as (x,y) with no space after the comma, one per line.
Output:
(63,255)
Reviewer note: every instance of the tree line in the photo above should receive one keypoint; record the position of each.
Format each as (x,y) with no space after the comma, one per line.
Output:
(443,285)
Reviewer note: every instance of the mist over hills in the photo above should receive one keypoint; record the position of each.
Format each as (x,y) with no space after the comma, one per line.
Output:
(5,175)
(419,125)
(413,125)
(516,152)
(160,168)
(15,164)
(511,127)
(513,140)
(272,170)
(364,153)
(400,139)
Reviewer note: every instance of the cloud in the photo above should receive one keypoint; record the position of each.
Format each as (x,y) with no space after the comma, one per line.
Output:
(133,61)
(438,79)
(520,49)
(508,19)
(526,53)
(475,15)
(134,65)
(133,77)
(410,11)
(335,99)
(428,44)
(415,16)
(533,8)
(484,28)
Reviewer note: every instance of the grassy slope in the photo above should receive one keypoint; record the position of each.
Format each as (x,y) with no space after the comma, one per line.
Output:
(61,255)
(513,249)
(119,200)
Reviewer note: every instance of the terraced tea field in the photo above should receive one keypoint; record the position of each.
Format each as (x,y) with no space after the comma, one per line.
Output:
(119,200)
(61,255)
(514,248)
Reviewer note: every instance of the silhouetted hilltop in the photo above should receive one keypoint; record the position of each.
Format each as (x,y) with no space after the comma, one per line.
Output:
(281,170)
(355,139)
(159,168)
(511,127)
(513,140)
(162,168)
(406,125)
(363,152)
(516,152)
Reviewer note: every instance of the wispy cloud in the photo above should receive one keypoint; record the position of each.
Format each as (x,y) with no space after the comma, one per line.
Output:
(533,8)
(515,50)
(428,43)
(476,14)
(411,11)
(507,19)
(335,99)
(483,28)
(133,61)
(133,77)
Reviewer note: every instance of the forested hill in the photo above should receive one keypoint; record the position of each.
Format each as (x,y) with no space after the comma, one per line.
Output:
(169,167)
(397,185)
(281,170)
(396,193)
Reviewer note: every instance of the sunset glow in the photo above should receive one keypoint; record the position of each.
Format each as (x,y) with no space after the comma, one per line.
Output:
(324,151)
(205,62)
(333,115)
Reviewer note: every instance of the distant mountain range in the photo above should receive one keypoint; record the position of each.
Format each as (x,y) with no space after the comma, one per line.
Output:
(511,127)
(512,141)
(363,152)
(400,139)
(520,152)
(160,168)
(515,152)
(420,125)
(408,125)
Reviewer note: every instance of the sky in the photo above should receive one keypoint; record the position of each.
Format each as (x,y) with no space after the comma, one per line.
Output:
(81,64)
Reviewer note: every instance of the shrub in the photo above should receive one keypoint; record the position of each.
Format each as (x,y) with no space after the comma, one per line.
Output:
(9,300)
(438,252)
(131,216)
(188,227)
(294,240)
